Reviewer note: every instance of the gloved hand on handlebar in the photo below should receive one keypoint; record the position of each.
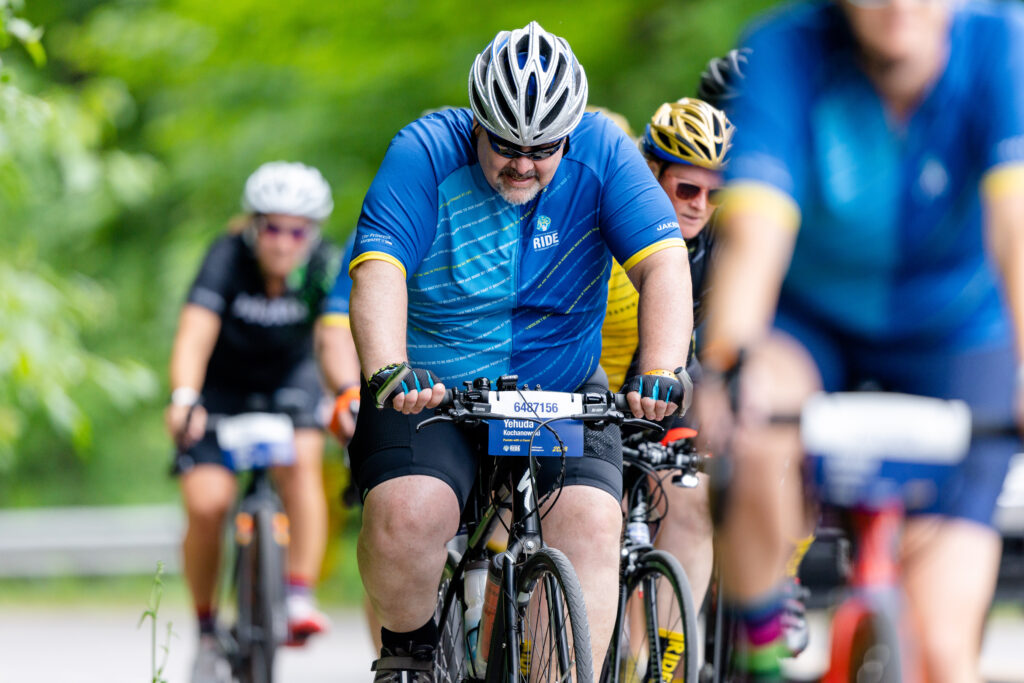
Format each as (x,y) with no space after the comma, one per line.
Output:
(409,389)
(657,394)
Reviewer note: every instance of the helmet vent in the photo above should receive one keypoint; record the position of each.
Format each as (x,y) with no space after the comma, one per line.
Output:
(555,110)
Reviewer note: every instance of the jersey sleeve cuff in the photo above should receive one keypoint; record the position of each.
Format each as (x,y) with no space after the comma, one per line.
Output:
(335,320)
(1003,180)
(746,197)
(377,256)
(652,249)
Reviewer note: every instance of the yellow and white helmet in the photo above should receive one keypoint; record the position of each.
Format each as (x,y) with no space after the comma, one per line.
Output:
(688,131)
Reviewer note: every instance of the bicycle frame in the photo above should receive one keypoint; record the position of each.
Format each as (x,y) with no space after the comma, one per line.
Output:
(524,540)
(259,501)
(640,501)
(875,586)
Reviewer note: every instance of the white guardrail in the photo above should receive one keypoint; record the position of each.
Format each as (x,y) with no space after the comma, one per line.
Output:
(89,541)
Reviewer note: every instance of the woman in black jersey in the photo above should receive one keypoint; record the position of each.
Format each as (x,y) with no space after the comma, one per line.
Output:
(244,343)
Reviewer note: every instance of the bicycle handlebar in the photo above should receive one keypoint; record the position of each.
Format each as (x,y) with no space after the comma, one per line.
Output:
(674,455)
(473,404)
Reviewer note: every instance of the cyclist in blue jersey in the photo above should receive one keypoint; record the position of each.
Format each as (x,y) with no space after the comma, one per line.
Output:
(483,248)
(892,135)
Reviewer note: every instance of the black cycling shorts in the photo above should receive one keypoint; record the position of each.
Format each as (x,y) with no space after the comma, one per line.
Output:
(300,396)
(386,446)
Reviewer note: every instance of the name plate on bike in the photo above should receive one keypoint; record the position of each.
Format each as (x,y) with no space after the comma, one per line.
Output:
(256,440)
(524,411)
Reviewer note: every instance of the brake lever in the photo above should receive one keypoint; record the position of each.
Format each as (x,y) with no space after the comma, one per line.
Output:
(641,422)
(434,420)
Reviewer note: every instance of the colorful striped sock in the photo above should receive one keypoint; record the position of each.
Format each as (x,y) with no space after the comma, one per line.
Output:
(759,640)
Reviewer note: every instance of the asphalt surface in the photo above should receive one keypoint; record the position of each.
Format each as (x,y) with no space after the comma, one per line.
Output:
(103,645)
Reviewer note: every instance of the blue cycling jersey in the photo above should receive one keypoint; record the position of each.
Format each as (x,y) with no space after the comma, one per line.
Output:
(890,246)
(496,288)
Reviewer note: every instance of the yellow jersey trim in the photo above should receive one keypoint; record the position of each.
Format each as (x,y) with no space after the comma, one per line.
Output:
(335,320)
(377,256)
(653,249)
(1003,180)
(762,199)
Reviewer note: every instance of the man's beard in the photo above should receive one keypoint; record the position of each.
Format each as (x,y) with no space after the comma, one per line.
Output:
(517,196)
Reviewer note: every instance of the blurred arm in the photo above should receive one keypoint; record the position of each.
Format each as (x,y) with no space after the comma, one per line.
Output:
(198,329)
(758,234)
(336,351)
(1004,218)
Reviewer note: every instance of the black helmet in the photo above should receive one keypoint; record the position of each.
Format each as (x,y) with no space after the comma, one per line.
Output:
(723,77)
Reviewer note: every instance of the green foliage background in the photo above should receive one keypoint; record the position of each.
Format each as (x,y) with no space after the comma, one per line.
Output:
(128,128)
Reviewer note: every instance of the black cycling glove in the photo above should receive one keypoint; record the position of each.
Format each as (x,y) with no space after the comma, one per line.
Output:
(663,385)
(398,378)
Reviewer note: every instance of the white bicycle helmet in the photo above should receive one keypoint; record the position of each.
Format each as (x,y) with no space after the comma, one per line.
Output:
(290,188)
(527,87)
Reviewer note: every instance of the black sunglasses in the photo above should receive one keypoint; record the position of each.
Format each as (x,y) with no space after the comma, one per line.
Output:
(510,151)
(687,191)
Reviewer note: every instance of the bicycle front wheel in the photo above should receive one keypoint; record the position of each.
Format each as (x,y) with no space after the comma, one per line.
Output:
(450,657)
(656,638)
(553,638)
(261,597)
(865,646)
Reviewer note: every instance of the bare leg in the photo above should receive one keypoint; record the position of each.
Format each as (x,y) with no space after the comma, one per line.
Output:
(406,523)
(208,492)
(586,525)
(950,568)
(765,507)
(302,492)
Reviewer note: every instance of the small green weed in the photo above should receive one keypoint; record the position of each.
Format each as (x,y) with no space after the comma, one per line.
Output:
(152,612)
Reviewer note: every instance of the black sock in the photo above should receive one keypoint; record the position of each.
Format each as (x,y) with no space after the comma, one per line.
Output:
(424,635)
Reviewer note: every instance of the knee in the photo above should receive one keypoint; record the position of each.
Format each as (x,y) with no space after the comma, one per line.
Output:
(689,511)
(208,513)
(586,522)
(402,517)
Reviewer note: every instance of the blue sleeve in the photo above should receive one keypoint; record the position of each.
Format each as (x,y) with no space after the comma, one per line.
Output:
(337,300)
(635,211)
(770,143)
(1001,117)
(399,215)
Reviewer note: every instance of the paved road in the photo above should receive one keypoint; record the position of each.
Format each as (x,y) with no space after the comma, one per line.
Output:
(98,645)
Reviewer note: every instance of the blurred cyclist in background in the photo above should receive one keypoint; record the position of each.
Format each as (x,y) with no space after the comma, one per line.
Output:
(246,330)
(892,135)
(722,79)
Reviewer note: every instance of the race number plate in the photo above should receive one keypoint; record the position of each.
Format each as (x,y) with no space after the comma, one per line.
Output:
(525,410)
(254,440)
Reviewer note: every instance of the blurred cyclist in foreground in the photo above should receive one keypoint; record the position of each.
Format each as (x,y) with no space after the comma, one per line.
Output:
(892,135)
(247,329)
